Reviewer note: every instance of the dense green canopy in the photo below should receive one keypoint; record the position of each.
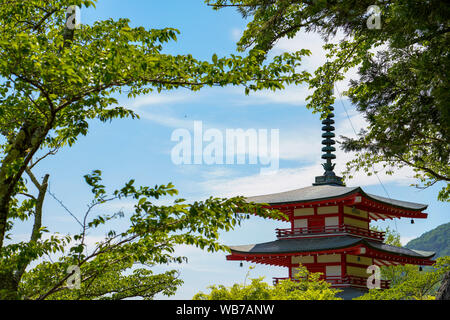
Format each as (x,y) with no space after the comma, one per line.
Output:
(55,78)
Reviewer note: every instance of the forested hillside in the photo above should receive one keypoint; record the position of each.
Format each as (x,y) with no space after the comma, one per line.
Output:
(437,240)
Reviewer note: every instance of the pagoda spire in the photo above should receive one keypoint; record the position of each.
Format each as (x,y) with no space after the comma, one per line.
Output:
(328,177)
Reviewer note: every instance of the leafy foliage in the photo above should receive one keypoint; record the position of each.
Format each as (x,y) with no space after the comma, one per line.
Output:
(119,266)
(437,240)
(391,237)
(408,281)
(411,284)
(53,80)
(403,88)
(307,286)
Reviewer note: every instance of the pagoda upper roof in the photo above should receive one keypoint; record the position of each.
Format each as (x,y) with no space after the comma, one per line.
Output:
(304,245)
(329,192)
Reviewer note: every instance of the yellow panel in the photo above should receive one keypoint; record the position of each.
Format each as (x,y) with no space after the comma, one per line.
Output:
(356,223)
(303,212)
(333,271)
(330,209)
(363,260)
(357,213)
(300,223)
(329,258)
(302,259)
(359,272)
(332,221)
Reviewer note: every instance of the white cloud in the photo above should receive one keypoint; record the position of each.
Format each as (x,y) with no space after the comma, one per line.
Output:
(119,206)
(292,178)
(302,40)
(236,34)
(291,95)
(217,172)
(161,99)
(304,146)
(405,240)
(283,180)
(167,120)
(156,107)
(313,42)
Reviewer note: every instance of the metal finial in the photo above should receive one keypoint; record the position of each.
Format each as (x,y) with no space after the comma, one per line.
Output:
(329,177)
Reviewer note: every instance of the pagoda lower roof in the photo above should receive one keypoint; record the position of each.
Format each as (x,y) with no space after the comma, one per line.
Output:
(328,192)
(305,245)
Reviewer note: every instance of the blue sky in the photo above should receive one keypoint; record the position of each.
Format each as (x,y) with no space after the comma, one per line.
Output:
(140,149)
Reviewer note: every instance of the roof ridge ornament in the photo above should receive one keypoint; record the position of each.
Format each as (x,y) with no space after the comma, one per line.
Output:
(328,177)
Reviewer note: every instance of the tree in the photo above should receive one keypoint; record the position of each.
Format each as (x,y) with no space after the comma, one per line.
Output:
(414,285)
(394,274)
(391,237)
(54,79)
(444,290)
(119,266)
(307,286)
(408,281)
(403,89)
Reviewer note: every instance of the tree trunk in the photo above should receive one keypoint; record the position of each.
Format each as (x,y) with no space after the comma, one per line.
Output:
(10,275)
(24,145)
(444,291)
(9,285)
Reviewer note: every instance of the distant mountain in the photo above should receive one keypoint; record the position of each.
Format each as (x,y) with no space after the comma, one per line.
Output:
(437,240)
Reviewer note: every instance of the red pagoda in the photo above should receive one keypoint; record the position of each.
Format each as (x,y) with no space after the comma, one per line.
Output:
(329,229)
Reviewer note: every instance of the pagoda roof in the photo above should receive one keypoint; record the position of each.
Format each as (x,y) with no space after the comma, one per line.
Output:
(329,192)
(304,245)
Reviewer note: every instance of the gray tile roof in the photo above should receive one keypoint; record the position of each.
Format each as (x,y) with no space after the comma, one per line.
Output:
(324,243)
(401,250)
(324,192)
(399,203)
